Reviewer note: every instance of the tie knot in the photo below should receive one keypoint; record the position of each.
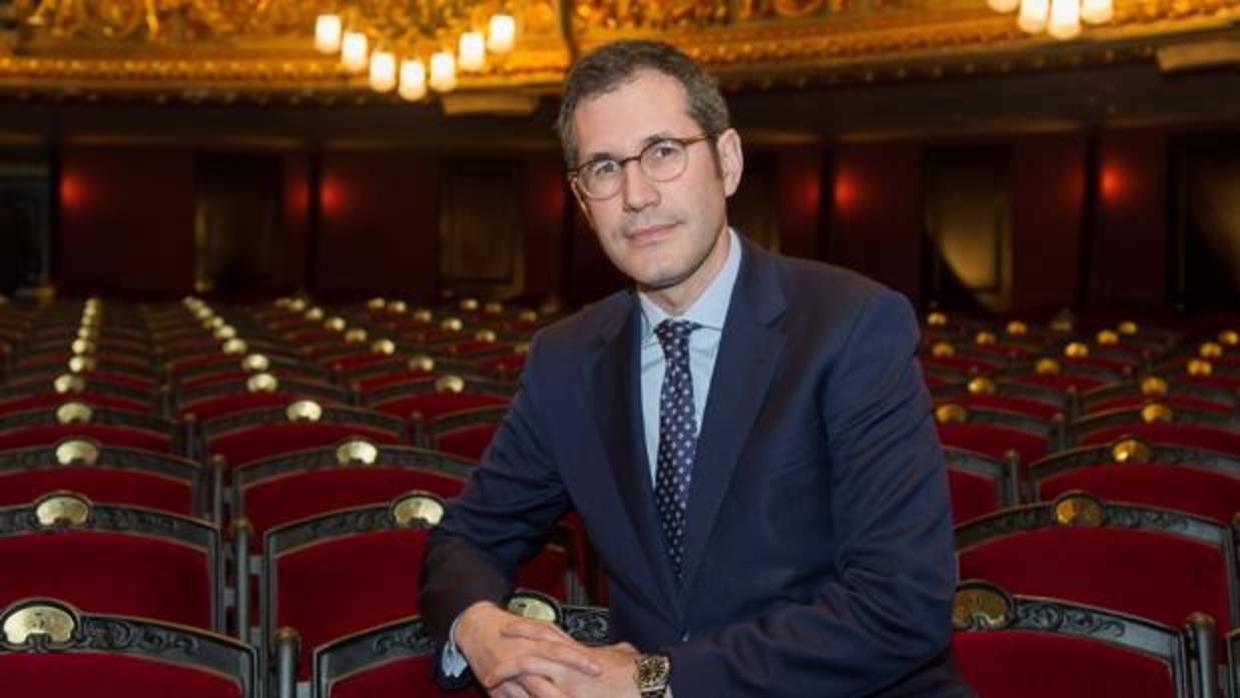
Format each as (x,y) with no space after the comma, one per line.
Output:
(673,333)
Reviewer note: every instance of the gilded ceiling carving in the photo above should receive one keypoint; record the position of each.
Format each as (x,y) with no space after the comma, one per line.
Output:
(231,47)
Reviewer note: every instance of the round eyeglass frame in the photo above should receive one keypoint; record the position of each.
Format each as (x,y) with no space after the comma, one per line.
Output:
(575,175)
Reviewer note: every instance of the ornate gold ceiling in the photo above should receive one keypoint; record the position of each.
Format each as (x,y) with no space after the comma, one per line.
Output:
(225,50)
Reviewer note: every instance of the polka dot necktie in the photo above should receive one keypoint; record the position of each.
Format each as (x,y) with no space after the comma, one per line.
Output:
(677,436)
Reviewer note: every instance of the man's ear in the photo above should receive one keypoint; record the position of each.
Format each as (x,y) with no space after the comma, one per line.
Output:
(581,202)
(731,159)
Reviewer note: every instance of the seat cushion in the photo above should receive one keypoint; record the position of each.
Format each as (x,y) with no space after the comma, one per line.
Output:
(1147,573)
(1026,664)
(109,676)
(1202,492)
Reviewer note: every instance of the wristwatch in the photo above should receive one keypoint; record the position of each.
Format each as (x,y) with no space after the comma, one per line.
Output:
(652,674)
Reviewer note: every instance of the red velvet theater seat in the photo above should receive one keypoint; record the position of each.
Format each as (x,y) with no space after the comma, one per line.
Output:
(993,440)
(104,474)
(114,656)
(1201,436)
(994,432)
(349,570)
(432,404)
(466,433)
(342,572)
(1032,647)
(505,365)
(1063,382)
(46,434)
(280,490)
(388,379)
(112,559)
(1204,483)
(1155,563)
(53,400)
(256,434)
(411,675)
(395,658)
(979,484)
(221,398)
(1175,402)
(1031,407)
(222,406)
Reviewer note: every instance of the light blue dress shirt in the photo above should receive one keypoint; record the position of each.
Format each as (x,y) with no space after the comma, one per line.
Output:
(710,311)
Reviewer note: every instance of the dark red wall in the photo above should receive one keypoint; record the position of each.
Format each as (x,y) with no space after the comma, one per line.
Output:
(1130,235)
(379,224)
(800,200)
(126,220)
(877,214)
(545,201)
(127,216)
(296,210)
(1048,188)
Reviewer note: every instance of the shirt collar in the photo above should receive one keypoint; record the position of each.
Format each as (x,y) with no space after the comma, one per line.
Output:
(711,308)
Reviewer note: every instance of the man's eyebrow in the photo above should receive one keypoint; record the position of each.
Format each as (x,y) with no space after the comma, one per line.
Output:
(646,143)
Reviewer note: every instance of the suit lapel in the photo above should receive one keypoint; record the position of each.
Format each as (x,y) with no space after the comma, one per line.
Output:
(748,353)
(615,378)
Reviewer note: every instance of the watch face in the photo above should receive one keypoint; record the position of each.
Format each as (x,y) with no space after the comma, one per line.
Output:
(652,672)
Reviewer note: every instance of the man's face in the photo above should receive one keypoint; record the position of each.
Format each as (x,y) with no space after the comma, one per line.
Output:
(661,234)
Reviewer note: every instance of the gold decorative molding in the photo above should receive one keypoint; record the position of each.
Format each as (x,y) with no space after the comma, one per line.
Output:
(261,51)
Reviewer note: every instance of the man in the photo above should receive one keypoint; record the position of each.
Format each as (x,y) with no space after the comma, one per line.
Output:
(745,436)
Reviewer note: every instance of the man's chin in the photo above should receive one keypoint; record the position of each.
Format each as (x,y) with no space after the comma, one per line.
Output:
(659,281)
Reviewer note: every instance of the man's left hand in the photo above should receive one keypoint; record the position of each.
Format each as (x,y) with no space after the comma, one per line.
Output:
(617,661)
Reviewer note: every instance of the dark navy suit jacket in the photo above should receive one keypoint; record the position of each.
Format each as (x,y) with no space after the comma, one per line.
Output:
(818,551)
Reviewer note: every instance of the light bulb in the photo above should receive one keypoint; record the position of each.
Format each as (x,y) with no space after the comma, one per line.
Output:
(1065,19)
(502,34)
(472,53)
(327,29)
(443,72)
(1033,15)
(412,80)
(382,71)
(354,50)
(1097,11)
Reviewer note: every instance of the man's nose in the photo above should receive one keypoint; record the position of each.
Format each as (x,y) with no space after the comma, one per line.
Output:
(638,190)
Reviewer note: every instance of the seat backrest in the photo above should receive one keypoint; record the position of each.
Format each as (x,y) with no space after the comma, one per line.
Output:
(344,571)
(465,433)
(1018,646)
(356,472)
(395,658)
(112,559)
(104,474)
(1160,423)
(1201,482)
(979,484)
(1157,563)
(52,648)
(263,433)
(995,432)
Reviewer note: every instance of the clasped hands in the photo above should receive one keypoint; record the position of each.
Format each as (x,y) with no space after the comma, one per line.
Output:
(514,657)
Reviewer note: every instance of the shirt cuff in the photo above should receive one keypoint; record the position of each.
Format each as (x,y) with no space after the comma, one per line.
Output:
(453,662)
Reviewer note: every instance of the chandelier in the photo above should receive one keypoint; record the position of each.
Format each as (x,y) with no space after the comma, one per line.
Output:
(1059,18)
(412,45)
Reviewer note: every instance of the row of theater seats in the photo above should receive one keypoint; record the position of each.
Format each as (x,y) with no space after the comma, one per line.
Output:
(1095,479)
(1006,645)
(265,476)
(319,438)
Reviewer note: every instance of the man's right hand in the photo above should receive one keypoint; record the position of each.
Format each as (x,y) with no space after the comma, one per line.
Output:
(513,667)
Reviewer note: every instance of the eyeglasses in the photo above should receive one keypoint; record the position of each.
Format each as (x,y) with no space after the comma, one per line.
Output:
(662,161)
